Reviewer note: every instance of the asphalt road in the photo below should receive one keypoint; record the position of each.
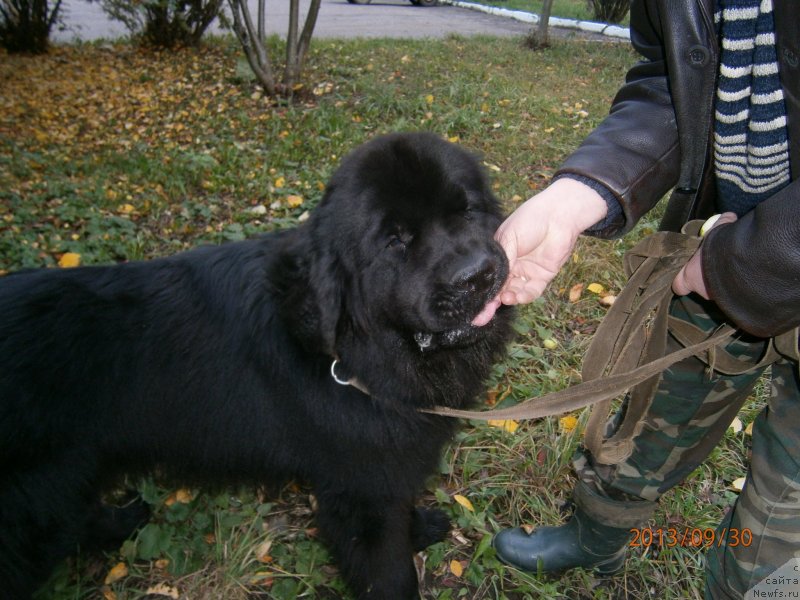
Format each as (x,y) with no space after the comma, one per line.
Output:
(337,19)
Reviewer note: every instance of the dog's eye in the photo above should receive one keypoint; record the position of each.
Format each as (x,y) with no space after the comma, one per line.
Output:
(396,243)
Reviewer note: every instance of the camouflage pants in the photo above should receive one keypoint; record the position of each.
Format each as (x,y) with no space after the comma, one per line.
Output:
(687,418)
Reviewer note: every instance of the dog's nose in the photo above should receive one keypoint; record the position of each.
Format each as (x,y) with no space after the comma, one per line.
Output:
(476,275)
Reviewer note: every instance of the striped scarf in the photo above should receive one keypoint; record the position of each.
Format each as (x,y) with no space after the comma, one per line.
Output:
(751,150)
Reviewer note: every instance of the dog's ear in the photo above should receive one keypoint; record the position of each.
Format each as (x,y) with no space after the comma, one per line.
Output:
(310,292)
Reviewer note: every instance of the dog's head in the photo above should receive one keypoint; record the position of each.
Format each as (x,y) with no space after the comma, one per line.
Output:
(403,241)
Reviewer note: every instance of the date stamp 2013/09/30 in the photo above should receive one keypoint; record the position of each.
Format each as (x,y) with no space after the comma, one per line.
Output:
(689,537)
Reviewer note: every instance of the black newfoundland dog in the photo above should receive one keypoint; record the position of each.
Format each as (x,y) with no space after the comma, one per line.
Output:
(302,354)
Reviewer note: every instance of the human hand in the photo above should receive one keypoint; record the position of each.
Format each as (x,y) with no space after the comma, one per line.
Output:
(690,278)
(540,235)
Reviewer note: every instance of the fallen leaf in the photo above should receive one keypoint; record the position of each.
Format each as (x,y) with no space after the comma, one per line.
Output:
(280,182)
(509,425)
(116,573)
(294,200)
(419,565)
(736,425)
(550,344)
(738,484)
(262,552)
(596,288)
(69,260)
(575,292)
(182,496)
(257,210)
(456,568)
(109,594)
(463,501)
(749,429)
(162,589)
(263,578)
(607,300)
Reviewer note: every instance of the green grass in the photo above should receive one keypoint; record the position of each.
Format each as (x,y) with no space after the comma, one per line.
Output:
(579,10)
(568,9)
(117,153)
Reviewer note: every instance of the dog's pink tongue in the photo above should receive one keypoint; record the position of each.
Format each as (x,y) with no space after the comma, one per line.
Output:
(487,313)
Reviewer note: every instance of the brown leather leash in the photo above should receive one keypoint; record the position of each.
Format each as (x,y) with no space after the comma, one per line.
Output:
(627,351)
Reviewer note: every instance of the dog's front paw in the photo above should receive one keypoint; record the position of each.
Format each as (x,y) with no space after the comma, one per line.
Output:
(428,526)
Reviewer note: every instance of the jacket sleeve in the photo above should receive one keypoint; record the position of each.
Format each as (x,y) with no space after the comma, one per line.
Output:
(634,152)
(751,267)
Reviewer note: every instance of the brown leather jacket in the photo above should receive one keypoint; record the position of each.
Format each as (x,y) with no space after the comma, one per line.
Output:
(657,138)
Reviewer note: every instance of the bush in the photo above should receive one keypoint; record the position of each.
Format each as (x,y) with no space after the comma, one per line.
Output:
(25,24)
(609,11)
(165,23)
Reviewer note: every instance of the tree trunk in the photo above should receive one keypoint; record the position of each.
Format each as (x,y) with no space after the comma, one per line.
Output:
(543,33)
(251,35)
(297,46)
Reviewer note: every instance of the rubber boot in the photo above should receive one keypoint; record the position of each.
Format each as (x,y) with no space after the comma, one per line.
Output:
(595,537)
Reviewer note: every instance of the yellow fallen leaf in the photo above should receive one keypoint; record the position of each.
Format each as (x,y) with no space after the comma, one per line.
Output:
(69,260)
(294,200)
(280,182)
(749,429)
(456,568)
(550,344)
(116,573)
(109,594)
(568,423)
(162,589)
(463,501)
(182,496)
(127,209)
(596,288)
(736,425)
(575,292)
(509,425)
(738,484)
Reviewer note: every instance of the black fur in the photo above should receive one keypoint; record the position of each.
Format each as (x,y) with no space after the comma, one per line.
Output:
(213,366)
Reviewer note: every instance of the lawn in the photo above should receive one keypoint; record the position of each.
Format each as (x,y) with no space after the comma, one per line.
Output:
(112,153)
(566,9)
